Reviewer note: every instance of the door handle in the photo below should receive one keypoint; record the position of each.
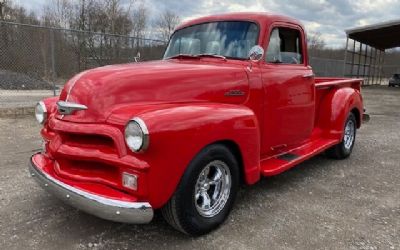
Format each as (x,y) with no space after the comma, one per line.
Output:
(309,75)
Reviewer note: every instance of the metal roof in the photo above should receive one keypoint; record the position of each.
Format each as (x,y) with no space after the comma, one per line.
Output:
(381,36)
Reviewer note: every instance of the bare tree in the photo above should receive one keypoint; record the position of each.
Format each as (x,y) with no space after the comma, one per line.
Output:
(57,13)
(139,21)
(79,20)
(166,24)
(14,13)
(315,41)
(316,44)
(2,7)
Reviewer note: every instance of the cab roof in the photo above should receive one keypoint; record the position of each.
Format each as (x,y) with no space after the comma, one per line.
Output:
(262,18)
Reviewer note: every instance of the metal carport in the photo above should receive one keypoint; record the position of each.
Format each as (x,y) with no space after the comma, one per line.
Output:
(365,50)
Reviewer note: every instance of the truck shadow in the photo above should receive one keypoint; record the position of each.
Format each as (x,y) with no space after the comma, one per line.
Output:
(93,231)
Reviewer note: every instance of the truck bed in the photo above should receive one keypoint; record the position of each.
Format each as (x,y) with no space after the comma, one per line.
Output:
(324,85)
(327,82)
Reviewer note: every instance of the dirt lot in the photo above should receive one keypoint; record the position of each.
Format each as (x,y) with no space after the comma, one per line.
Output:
(321,204)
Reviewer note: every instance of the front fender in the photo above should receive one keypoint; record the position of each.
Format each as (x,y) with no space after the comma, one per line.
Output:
(51,106)
(335,108)
(179,132)
(50,103)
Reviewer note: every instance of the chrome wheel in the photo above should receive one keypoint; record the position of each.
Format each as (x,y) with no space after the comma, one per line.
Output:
(349,134)
(212,188)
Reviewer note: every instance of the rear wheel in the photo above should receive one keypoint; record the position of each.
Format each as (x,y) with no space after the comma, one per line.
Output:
(344,149)
(206,193)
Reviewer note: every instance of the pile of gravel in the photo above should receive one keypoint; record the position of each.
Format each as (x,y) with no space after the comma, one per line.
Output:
(18,81)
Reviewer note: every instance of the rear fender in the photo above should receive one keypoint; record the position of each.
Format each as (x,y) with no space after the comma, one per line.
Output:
(179,132)
(335,108)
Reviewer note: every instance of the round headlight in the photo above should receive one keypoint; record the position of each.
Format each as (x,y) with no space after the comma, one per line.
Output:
(41,112)
(137,135)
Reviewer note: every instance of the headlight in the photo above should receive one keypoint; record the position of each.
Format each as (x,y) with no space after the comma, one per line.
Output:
(41,112)
(137,135)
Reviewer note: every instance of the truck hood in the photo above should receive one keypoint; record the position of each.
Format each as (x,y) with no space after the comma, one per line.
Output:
(108,88)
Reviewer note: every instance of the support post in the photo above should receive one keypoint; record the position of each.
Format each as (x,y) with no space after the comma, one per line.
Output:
(359,60)
(352,58)
(369,65)
(379,67)
(365,62)
(373,58)
(345,57)
(53,61)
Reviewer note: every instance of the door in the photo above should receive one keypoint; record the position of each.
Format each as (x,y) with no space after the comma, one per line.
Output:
(289,91)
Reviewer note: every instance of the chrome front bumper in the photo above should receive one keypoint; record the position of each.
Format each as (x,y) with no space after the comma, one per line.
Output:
(109,209)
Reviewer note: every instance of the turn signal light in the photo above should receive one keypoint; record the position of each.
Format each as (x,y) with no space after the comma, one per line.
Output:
(130,181)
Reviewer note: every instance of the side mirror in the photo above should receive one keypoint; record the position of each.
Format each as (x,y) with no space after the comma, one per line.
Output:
(256,53)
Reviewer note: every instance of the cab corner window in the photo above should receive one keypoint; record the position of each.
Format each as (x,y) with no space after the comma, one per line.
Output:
(285,46)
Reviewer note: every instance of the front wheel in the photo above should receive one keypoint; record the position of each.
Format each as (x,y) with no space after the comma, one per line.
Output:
(344,149)
(206,193)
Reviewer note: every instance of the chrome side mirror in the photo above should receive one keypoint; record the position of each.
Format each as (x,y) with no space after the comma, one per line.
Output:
(256,53)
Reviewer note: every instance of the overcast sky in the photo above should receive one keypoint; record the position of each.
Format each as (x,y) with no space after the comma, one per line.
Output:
(329,17)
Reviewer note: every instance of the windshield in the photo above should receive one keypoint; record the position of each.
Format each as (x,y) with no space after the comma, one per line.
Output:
(231,39)
(396,76)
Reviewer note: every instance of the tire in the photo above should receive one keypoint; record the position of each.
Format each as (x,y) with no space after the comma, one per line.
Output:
(345,147)
(187,210)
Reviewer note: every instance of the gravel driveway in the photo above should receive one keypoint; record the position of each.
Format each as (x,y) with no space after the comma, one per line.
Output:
(320,204)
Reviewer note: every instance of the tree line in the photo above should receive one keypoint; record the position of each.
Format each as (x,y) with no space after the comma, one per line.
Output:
(129,18)
(114,31)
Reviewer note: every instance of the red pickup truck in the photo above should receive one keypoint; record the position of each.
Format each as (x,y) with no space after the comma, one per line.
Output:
(181,134)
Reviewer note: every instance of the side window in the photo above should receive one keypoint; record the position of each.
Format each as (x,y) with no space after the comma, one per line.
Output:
(285,46)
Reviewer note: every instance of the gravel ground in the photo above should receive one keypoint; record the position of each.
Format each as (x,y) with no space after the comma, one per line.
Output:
(22,98)
(320,204)
(14,80)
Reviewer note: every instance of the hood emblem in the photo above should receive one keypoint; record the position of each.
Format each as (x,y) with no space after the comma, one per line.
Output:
(67,108)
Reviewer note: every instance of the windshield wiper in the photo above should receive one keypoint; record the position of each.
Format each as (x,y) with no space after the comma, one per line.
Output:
(182,56)
(212,55)
(196,56)
(277,62)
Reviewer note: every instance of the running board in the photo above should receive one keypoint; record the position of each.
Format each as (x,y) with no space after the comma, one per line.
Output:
(288,157)
(278,164)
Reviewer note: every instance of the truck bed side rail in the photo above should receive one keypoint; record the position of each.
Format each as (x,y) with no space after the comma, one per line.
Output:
(323,82)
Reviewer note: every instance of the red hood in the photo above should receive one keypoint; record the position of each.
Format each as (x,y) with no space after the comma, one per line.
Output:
(104,89)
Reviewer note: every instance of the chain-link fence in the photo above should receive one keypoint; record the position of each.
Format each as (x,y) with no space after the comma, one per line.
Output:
(324,67)
(327,67)
(38,60)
